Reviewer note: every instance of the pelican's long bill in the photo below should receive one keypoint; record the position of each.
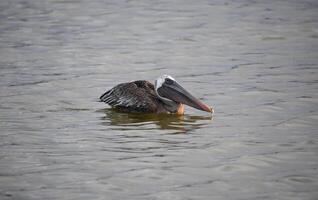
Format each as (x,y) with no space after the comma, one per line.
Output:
(177,93)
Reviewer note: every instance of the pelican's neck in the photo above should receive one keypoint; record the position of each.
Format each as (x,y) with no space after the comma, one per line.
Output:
(169,105)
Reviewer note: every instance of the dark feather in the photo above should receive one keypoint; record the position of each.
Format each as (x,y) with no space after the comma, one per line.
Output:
(137,96)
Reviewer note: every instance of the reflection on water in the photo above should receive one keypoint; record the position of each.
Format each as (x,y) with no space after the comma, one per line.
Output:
(179,123)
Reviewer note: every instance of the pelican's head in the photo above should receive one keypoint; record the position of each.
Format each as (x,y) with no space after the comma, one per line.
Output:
(168,90)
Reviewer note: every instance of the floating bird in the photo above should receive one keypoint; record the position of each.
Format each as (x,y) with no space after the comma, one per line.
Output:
(166,96)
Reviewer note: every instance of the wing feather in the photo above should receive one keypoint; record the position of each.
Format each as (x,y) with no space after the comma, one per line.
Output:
(137,96)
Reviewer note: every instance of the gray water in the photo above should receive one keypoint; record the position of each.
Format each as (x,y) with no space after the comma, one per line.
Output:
(255,62)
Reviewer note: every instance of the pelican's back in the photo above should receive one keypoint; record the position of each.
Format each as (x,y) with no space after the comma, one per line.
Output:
(137,96)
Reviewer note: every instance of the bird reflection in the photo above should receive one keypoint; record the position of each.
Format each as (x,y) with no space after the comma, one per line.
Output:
(129,121)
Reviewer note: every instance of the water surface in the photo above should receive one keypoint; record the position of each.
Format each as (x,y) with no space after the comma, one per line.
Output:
(255,62)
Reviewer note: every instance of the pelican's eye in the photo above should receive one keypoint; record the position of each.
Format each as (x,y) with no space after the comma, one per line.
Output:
(168,81)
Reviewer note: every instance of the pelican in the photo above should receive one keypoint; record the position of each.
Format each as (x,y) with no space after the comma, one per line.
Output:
(166,96)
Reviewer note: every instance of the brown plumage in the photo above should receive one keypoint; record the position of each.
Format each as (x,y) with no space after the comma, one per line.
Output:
(137,96)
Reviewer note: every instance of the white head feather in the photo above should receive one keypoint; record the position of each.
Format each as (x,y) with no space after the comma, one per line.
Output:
(159,82)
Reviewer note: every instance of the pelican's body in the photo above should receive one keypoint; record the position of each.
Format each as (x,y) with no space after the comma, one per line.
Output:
(166,96)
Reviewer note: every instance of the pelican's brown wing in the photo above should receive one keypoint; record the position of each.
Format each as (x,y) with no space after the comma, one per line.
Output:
(137,96)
